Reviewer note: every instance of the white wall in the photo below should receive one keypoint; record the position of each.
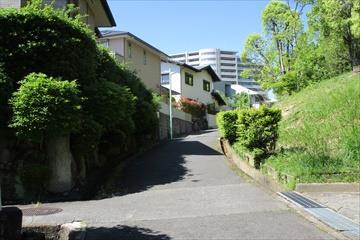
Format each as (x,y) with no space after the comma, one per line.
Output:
(117,45)
(196,91)
(176,113)
(211,120)
(10,3)
(175,76)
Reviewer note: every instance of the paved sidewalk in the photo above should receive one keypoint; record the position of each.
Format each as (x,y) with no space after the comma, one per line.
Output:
(347,204)
(184,189)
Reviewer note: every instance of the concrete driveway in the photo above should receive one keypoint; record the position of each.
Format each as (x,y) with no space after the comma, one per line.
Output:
(184,189)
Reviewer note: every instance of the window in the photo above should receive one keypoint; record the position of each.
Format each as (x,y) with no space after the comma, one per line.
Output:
(206,85)
(189,79)
(228,70)
(165,78)
(145,58)
(228,64)
(227,58)
(129,49)
(105,43)
(227,52)
(194,60)
(178,56)
(228,76)
(193,54)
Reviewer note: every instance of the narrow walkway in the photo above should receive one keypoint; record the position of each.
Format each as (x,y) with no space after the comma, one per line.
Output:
(184,189)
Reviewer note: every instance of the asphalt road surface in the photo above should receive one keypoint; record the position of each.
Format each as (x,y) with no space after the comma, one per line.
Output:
(185,189)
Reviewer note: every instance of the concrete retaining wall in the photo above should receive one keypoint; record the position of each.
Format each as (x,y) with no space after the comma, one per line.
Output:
(211,119)
(249,170)
(182,122)
(273,180)
(180,127)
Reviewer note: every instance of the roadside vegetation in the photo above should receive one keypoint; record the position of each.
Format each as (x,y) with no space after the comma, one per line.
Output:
(319,137)
(66,104)
(251,131)
(292,53)
(307,64)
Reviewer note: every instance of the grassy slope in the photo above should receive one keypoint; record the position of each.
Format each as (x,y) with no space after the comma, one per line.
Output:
(320,132)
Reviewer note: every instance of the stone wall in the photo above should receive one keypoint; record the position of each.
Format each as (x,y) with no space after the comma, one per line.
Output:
(180,127)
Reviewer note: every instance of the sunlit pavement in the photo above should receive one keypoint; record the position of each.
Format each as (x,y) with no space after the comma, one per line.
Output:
(184,189)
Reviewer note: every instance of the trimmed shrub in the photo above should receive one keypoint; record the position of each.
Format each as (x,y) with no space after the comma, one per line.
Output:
(257,129)
(45,106)
(226,122)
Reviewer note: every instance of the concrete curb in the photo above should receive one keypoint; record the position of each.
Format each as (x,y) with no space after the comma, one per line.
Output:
(270,181)
(327,187)
(257,175)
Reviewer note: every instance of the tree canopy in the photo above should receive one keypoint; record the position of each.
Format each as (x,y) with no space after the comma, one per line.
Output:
(289,57)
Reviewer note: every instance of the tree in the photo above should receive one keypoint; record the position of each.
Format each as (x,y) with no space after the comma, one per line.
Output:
(282,25)
(289,59)
(241,101)
(48,109)
(338,19)
(274,52)
(260,53)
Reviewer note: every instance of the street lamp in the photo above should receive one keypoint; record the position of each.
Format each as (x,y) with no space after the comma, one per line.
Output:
(170,106)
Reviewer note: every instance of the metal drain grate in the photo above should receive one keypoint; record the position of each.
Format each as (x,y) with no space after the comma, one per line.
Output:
(41,211)
(300,200)
(337,221)
(324,214)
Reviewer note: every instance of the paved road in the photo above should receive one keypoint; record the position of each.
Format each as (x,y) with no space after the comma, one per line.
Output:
(185,190)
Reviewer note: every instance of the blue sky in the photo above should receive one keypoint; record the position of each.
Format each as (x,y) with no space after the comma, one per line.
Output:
(177,26)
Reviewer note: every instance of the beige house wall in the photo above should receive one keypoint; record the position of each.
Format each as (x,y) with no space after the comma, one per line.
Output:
(84,7)
(86,11)
(149,73)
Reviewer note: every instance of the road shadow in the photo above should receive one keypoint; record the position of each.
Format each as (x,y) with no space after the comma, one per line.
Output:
(162,165)
(120,232)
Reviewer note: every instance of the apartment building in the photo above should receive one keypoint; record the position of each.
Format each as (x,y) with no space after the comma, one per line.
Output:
(96,13)
(249,83)
(226,64)
(223,62)
(142,57)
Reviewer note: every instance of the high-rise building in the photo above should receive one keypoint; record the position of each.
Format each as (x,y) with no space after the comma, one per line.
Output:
(249,83)
(226,64)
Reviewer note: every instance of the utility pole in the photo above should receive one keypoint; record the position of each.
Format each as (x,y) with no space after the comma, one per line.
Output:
(170,105)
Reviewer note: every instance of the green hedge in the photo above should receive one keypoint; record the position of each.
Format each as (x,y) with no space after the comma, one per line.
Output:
(226,122)
(258,128)
(254,130)
(61,49)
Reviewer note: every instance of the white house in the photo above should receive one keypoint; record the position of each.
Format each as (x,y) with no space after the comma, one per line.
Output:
(256,97)
(190,82)
(195,83)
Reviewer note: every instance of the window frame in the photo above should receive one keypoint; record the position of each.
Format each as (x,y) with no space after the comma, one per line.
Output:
(206,85)
(190,83)
(145,57)
(129,52)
